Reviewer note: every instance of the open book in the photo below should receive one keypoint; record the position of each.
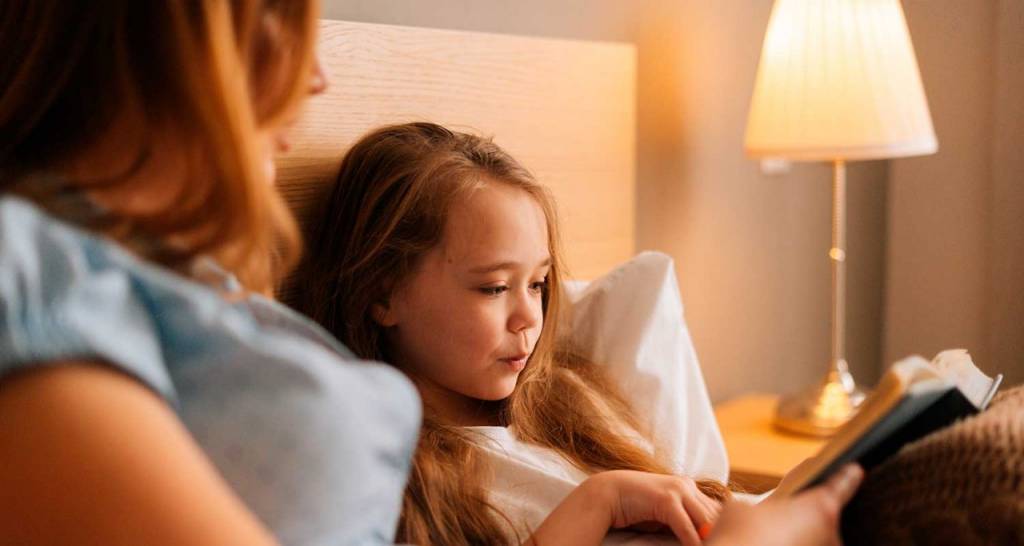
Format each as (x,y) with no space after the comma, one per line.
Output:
(913,398)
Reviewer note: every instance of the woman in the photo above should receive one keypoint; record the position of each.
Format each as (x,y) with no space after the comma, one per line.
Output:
(174,404)
(146,395)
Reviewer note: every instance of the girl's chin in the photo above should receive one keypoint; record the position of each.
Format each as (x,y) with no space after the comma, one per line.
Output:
(508,391)
(499,392)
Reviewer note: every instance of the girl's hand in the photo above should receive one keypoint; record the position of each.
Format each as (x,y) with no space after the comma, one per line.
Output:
(641,500)
(810,518)
(627,499)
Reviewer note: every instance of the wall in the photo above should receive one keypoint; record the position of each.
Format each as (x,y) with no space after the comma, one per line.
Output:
(956,273)
(750,249)
(1006,276)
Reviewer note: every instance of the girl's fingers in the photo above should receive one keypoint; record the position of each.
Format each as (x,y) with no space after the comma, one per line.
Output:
(682,526)
(714,507)
(716,512)
(700,514)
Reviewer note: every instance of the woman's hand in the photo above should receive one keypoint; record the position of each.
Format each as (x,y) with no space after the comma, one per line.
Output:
(628,499)
(810,518)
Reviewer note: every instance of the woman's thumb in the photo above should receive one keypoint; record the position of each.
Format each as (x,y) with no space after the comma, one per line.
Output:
(828,498)
(844,483)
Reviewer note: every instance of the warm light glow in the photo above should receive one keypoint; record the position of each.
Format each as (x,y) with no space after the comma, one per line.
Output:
(834,405)
(838,80)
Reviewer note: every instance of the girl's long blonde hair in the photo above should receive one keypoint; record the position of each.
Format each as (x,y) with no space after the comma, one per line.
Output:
(205,74)
(387,209)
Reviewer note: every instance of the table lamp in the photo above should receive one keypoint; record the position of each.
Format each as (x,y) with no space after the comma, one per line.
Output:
(837,81)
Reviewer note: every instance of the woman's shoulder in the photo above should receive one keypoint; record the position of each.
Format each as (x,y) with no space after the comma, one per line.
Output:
(65,293)
(305,433)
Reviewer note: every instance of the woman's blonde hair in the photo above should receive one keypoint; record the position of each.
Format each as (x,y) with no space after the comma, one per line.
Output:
(387,209)
(203,73)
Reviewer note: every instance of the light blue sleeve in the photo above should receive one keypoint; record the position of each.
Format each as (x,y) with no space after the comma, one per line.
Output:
(317,443)
(61,297)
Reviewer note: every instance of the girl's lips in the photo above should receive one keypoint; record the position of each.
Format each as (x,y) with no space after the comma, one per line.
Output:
(517,363)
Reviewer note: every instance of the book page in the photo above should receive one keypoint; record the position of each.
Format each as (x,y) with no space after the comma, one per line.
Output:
(956,366)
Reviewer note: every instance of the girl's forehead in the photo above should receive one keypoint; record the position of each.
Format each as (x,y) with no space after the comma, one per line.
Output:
(496,221)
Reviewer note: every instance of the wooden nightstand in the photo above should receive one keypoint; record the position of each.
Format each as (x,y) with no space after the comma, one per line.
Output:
(759,455)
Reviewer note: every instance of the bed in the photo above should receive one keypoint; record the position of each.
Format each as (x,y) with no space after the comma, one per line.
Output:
(565,109)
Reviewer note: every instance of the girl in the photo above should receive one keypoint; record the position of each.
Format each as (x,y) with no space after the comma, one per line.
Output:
(438,253)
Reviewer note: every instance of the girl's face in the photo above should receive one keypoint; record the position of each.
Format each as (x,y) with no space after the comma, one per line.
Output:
(465,323)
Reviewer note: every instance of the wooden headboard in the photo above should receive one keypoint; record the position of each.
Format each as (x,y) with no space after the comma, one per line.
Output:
(565,109)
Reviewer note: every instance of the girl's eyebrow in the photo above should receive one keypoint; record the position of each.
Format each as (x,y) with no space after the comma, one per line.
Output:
(501,266)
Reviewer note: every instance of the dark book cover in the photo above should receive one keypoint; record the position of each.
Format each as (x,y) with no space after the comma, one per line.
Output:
(916,416)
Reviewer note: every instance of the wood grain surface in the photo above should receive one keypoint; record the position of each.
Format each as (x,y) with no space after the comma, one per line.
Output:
(565,109)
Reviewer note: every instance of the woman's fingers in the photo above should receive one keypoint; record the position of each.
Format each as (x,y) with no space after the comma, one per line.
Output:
(829,498)
(839,488)
(844,484)
(808,518)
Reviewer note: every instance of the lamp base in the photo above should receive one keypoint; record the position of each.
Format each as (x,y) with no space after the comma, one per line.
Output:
(822,409)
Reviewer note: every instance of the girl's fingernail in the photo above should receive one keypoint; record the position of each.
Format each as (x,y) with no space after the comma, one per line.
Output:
(704,530)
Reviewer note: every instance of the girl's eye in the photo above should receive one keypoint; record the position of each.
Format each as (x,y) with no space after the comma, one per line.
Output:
(539,286)
(493,290)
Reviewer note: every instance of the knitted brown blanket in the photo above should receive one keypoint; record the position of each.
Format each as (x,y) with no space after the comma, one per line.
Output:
(962,485)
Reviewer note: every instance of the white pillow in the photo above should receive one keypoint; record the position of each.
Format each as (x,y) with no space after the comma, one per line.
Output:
(631,321)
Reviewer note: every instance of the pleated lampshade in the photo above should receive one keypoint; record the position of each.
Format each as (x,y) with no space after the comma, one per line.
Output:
(838,80)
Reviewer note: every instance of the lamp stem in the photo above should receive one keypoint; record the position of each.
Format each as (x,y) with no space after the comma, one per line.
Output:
(838,256)
(822,409)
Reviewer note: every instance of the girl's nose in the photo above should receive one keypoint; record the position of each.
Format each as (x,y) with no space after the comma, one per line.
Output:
(527,314)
